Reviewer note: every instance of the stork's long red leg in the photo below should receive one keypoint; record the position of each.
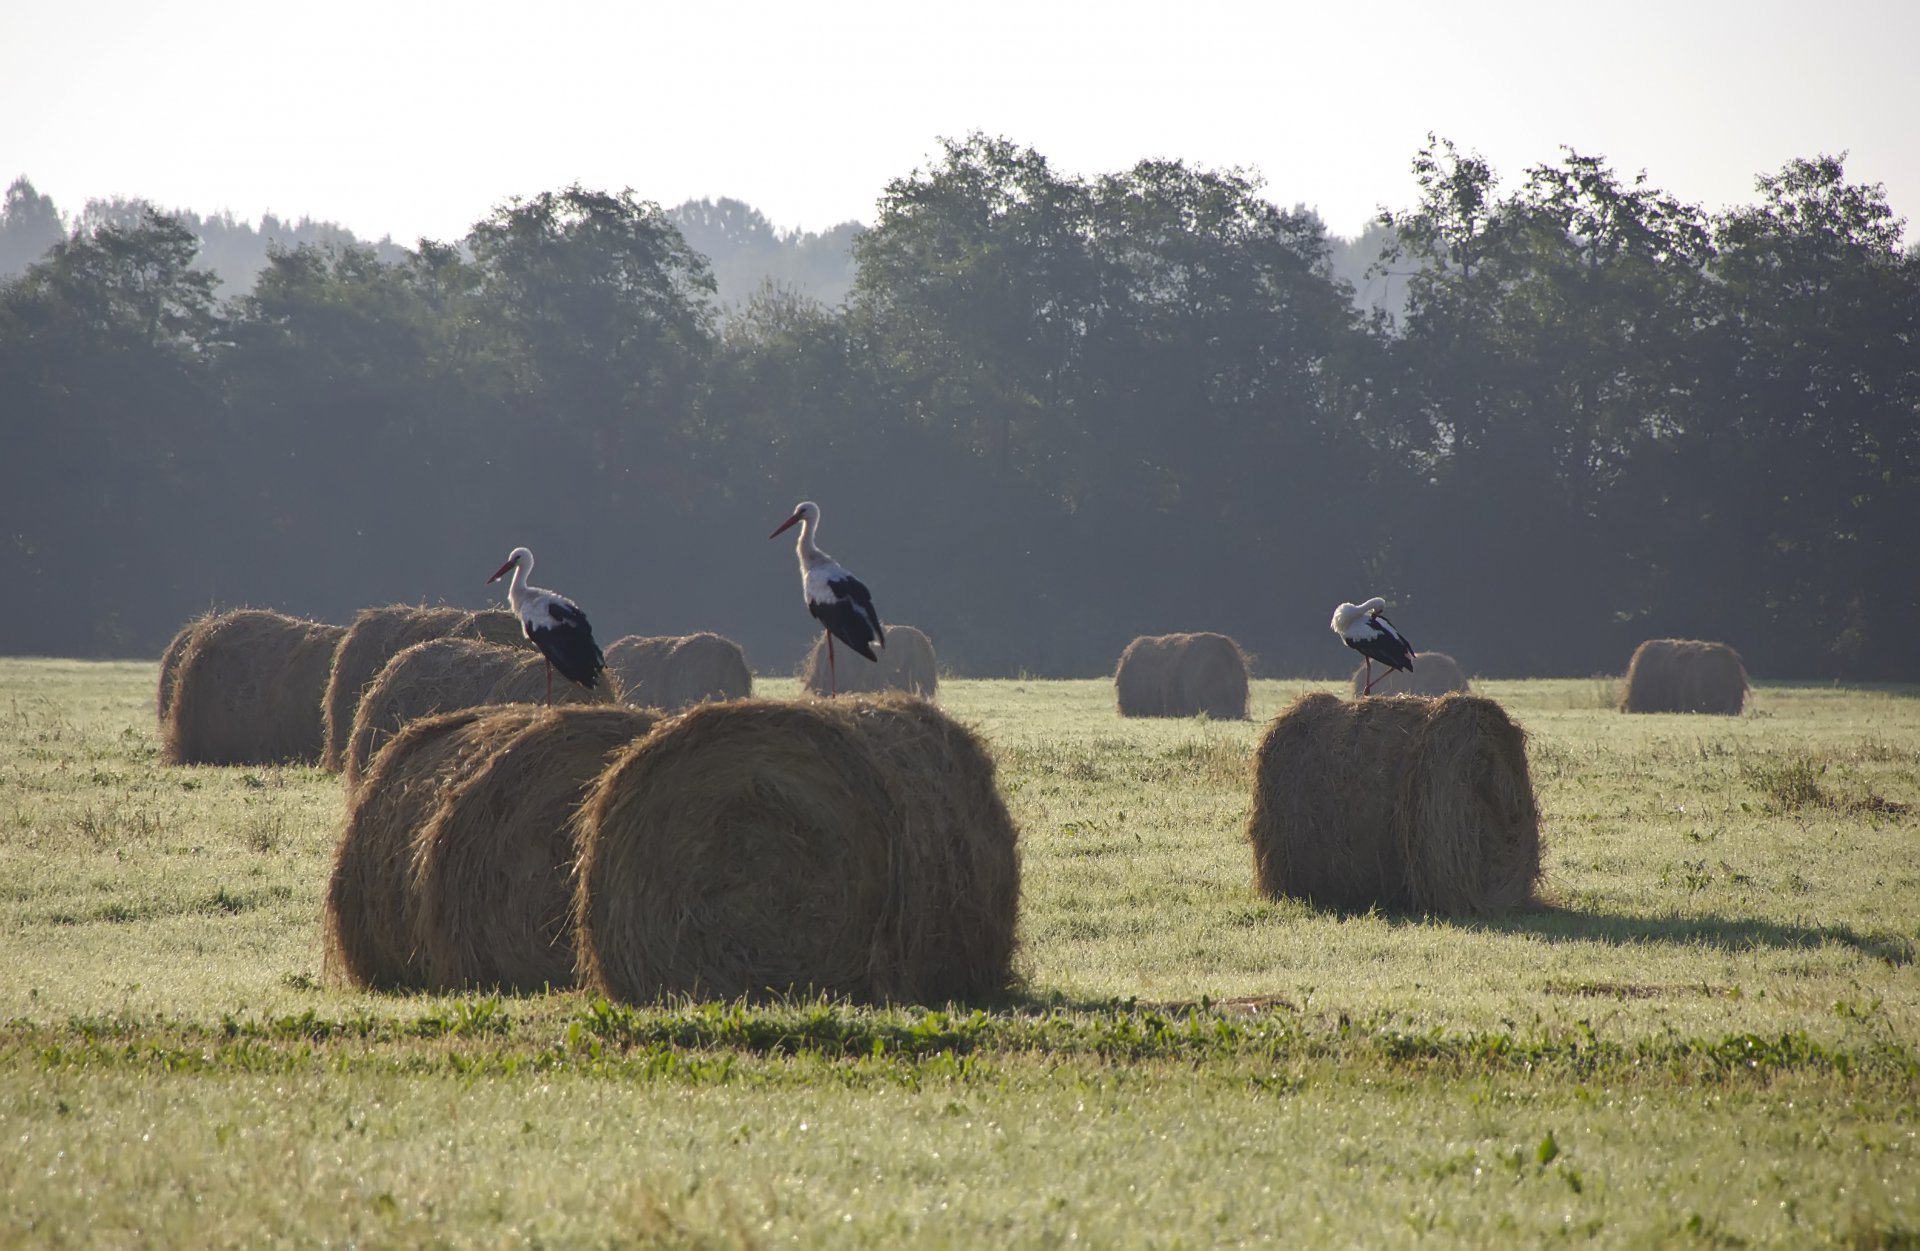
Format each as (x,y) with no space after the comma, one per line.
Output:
(549,680)
(1369,689)
(833,673)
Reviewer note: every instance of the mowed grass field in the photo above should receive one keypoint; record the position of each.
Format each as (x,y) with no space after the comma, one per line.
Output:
(1708,1037)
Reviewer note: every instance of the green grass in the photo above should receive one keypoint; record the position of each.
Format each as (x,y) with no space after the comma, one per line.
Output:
(1709,1037)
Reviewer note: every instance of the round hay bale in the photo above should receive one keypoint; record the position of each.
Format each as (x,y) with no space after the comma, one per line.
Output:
(247,689)
(170,665)
(907,663)
(1404,803)
(676,672)
(1684,675)
(441,675)
(493,871)
(1182,675)
(853,848)
(372,905)
(376,636)
(1434,673)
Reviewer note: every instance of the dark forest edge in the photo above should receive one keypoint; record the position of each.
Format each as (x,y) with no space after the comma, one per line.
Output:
(1050,414)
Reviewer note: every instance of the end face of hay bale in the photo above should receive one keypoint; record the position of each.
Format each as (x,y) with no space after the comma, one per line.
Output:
(856,848)
(1405,803)
(1434,673)
(170,664)
(440,675)
(372,900)
(247,689)
(494,868)
(1685,675)
(1183,675)
(906,663)
(376,636)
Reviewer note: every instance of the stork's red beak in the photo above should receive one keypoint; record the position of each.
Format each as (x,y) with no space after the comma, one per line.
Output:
(783,525)
(499,573)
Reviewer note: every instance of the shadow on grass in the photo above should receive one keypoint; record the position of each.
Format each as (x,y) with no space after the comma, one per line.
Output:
(1567,925)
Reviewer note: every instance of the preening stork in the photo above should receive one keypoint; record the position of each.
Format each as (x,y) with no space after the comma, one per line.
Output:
(1361,627)
(839,601)
(553,623)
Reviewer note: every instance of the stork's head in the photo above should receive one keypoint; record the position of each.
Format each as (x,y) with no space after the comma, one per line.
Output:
(805,510)
(521,557)
(1347,616)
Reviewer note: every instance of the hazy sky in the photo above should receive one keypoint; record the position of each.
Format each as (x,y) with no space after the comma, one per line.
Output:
(414,119)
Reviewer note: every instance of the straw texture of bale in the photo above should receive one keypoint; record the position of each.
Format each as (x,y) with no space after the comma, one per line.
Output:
(674,672)
(247,689)
(376,636)
(170,665)
(493,870)
(1434,673)
(1404,803)
(907,663)
(1182,675)
(372,904)
(855,848)
(441,675)
(1684,675)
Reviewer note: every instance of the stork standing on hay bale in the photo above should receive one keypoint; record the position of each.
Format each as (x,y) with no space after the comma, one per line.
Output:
(1361,627)
(553,623)
(839,601)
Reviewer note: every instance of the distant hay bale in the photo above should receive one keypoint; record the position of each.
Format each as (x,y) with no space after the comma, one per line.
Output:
(1404,803)
(493,869)
(1434,673)
(906,663)
(376,636)
(441,675)
(1684,675)
(1182,675)
(247,689)
(676,672)
(372,906)
(852,848)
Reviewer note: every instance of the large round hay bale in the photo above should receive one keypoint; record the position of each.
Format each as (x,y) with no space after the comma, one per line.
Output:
(441,675)
(376,636)
(676,672)
(853,848)
(493,870)
(247,689)
(1684,675)
(1182,675)
(372,903)
(1404,803)
(906,663)
(170,665)
(1434,673)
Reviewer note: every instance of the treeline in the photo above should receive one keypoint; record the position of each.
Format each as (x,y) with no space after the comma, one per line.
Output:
(1052,413)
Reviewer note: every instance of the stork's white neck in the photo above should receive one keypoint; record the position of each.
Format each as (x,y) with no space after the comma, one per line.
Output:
(809,552)
(517,589)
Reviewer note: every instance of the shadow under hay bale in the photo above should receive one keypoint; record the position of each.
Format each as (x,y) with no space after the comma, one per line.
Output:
(1404,803)
(372,906)
(376,636)
(1434,673)
(441,675)
(674,672)
(493,869)
(1684,675)
(1182,675)
(247,689)
(906,663)
(853,848)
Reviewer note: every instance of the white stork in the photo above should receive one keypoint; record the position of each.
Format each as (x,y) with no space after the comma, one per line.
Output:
(553,623)
(839,601)
(1361,627)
